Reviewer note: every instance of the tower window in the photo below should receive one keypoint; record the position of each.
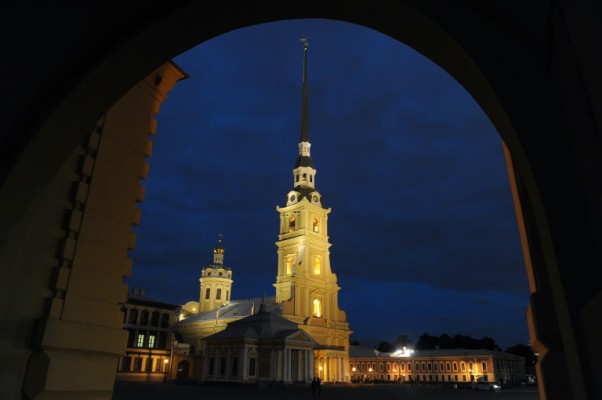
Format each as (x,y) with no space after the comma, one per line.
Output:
(316,225)
(317,308)
(291,224)
(296,178)
(311,178)
(290,260)
(317,265)
(304,177)
(218,296)
(207,293)
(227,295)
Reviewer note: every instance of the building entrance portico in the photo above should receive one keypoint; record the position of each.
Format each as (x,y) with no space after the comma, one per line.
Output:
(331,365)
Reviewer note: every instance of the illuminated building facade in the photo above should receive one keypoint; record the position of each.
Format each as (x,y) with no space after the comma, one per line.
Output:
(436,366)
(305,284)
(149,323)
(306,288)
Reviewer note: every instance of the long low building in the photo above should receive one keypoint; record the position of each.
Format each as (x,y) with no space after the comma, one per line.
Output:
(435,366)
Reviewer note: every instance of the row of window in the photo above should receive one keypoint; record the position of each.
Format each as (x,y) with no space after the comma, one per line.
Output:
(290,263)
(429,378)
(418,366)
(311,178)
(292,223)
(146,317)
(155,364)
(233,366)
(218,294)
(147,339)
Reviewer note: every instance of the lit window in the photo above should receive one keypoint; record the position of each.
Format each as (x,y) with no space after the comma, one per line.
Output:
(317,266)
(317,308)
(291,224)
(151,341)
(290,260)
(484,366)
(316,225)
(140,341)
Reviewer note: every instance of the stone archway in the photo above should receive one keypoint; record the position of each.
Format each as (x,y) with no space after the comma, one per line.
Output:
(533,72)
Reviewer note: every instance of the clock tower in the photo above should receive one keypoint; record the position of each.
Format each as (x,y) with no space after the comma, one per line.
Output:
(305,284)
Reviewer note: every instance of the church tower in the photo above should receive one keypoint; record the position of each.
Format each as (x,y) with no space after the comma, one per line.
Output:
(216,282)
(305,284)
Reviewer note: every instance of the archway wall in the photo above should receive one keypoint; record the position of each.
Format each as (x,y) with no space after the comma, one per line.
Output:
(532,67)
(64,264)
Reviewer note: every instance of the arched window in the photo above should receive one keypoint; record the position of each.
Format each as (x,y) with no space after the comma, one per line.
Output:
(455,366)
(448,366)
(304,177)
(207,293)
(291,224)
(290,260)
(316,226)
(317,265)
(317,308)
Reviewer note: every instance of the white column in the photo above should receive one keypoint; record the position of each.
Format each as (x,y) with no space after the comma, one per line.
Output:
(310,364)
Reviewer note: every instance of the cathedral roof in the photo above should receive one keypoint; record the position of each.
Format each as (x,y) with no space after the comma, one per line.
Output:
(262,325)
(236,309)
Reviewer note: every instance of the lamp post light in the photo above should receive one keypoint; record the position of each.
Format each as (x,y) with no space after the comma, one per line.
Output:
(320,372)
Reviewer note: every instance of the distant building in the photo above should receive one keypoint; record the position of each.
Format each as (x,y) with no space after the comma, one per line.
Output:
(150,323)
(436,366)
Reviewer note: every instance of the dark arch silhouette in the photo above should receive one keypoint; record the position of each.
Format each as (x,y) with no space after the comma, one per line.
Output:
(534,69)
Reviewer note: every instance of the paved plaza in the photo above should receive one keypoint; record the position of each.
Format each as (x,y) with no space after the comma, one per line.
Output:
(135,391)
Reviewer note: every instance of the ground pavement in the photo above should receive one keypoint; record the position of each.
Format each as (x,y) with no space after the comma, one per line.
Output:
(147,391)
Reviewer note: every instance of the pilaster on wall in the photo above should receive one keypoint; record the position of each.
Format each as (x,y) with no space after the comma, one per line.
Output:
(79,338)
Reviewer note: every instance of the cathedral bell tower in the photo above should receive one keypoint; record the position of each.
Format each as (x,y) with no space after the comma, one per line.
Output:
(305,284)
(216,282)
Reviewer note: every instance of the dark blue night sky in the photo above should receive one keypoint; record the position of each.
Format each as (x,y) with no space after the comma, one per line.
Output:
(423,226)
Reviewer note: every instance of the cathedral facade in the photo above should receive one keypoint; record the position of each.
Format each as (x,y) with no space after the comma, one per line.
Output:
(306,288)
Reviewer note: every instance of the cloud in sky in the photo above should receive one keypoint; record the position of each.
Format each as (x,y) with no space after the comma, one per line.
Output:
(411,166)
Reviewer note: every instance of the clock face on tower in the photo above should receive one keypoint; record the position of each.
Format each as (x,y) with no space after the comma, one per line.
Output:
(292,198)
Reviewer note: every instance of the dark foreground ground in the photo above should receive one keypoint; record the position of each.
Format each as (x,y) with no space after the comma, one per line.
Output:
(135,391)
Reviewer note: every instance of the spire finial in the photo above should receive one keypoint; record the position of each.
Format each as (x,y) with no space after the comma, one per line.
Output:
(305,101)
